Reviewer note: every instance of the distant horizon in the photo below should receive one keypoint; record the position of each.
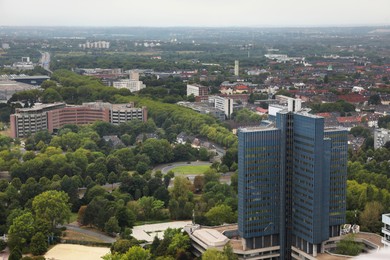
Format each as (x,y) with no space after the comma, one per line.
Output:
(200,13)
(194,26)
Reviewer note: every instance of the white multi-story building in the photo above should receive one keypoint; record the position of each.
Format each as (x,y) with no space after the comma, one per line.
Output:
(381,136)
(121,113)
(132,85)
(25,64)
(224,104)
(386,230)
(197,90)
(95,45)
(236,68)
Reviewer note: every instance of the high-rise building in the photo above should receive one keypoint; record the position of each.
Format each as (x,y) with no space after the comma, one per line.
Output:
(291,185)
(236,68)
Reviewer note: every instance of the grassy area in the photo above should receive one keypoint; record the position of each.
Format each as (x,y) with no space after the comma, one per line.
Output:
(190,169)
(73,217)
(189,52)
(72,53)
(132,53)
(74,235)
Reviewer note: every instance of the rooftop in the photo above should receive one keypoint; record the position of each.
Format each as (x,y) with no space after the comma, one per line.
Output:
(211,237)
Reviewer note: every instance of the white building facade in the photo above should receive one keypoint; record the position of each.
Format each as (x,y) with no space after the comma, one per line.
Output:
(386,230)
(132,85)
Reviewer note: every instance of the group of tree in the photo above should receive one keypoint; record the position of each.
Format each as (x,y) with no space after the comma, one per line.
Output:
(174,245)
(340,106)
(31,227)
(77,157)
(72,88)
(368,185)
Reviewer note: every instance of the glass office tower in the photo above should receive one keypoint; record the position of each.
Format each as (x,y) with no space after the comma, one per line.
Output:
(291,185)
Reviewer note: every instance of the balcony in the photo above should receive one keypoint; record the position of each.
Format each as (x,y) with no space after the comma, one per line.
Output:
(386,231)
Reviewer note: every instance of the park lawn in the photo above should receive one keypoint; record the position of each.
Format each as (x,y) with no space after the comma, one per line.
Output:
(77,236)
(190,169)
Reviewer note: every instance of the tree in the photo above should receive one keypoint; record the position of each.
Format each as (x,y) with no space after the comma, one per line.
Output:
(204,154)
(370,218)
(220,214)
(348,246)
(52,206)
(121,246)
(136,253)
(126,218)
(180,204)
(180,242)
(51,95)
(150,207)
(3,245)
(211,175)
(38,244)
(159,151)
(16,254)
(374,99)
(383,121)
(228,251)
(214,254)
(112,226)
(21,230)
(112,178)
(198,183)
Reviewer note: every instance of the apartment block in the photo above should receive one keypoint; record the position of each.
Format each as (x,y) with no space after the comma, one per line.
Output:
(197,90)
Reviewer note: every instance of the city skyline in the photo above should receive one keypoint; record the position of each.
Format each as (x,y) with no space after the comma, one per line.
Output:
(247,13)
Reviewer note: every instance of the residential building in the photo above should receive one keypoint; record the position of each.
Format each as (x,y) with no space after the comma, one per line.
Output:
(77,115)
(386,230)
(27,121)
(121,113)
(25,64)
(95,45)
(132,85)
(381,137)
(52,117)
(221,103)
(197,90)
(292,185)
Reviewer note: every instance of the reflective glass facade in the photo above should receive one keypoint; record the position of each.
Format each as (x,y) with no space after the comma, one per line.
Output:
(292,183)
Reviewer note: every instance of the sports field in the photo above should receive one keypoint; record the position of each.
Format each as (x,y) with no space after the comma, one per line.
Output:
(190,169)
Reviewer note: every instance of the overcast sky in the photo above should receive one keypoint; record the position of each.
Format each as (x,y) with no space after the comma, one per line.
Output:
(252,13)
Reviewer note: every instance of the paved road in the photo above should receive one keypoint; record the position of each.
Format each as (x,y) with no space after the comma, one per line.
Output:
(98,235)
(164,168)
(4,254)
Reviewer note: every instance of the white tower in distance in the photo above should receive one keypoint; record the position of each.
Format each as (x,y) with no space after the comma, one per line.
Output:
(236,68)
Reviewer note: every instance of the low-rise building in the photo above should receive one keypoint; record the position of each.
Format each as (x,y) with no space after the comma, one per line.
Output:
(203,108)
